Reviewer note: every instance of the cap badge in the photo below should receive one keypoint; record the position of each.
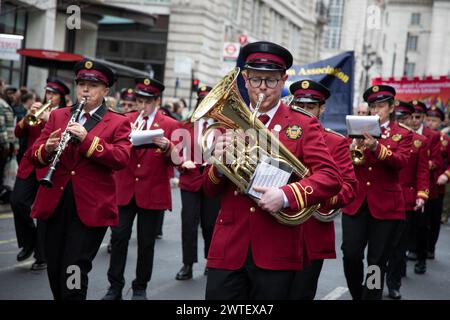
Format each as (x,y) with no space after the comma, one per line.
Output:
(397,103)
(396,137)
(305,85)
(147,82)
(130,90)
(203,89)
(376,89)
(294,132)
(417,143)
(88,64)
(415,102)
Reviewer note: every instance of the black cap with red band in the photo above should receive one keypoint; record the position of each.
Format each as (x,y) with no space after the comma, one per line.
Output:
(203,92)
(379,93)
(128,94)
(147,87)
(308,91)
(419,106)
(56,85)
(433,111)
(403,108)
(94,71)
(266,56)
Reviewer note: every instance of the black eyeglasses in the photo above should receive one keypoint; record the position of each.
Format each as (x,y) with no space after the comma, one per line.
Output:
(417,117)
(270,82)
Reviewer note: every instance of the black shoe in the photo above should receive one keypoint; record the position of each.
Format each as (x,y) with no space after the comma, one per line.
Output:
(430,255)
(185,272)
(139,294)
(159,236)
(24,254)
(394,294)
(206,271)
(38,266)
(113,294)
(420,267)
(412,256)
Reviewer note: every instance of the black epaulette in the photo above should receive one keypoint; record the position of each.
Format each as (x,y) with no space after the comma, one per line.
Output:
(405,126)
(336,133)
(117,112)
(301,110)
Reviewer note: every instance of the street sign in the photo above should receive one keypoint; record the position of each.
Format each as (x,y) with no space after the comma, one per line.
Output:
(243,40)
(183,66)
(230,51)
(9,44)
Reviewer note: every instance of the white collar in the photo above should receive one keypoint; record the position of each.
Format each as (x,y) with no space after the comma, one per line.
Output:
(385,125)
(420,130)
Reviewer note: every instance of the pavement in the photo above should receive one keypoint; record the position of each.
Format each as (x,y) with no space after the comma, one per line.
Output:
(17,282)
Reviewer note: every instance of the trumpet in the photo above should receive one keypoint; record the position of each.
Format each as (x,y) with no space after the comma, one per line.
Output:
(66,136)
(33,119)
(138,124)
(357,154)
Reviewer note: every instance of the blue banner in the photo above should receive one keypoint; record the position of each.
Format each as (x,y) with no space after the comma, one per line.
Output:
(335,73)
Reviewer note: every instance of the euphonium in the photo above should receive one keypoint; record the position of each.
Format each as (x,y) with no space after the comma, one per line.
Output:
(32,119)
(225,105)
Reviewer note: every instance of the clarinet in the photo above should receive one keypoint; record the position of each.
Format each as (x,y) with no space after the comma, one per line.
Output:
(65,138)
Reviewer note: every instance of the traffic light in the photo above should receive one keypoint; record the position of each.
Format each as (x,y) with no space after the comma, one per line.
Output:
(195,83)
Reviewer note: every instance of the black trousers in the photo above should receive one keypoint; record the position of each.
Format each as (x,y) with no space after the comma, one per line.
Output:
(147,226)
(397,258)
(249,282)
(419,229)
(29,235)
(197,208)
(359,231)
(304,286)
(435,213)
(70,244)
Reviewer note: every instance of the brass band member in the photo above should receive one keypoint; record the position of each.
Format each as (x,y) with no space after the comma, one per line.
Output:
(82,202)
(252,256)
(373,217)
(30,237)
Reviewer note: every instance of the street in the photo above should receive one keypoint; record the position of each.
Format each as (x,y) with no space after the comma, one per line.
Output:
(18,282)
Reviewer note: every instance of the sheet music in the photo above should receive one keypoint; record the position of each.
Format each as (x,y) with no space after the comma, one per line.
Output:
(269,173)
(357,125)
(140,137)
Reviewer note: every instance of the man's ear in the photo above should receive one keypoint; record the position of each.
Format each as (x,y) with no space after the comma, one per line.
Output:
(322,109)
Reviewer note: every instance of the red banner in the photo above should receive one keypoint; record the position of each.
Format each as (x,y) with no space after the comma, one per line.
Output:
(433,92)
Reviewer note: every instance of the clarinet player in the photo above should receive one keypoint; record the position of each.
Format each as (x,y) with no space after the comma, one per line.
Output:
(81,203)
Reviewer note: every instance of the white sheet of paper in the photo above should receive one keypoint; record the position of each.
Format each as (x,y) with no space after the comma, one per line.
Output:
(140,137)
(357,125)
(268,175)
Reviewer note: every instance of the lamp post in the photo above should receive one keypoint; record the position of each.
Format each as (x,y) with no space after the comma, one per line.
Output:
(368,60)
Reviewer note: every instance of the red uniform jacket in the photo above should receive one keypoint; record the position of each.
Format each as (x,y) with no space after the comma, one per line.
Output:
(415,177)
(147,175)
(241,224)
(192,179)
(89,165)
(436,160)
(445,152)
(379,180)
(26,165)
(319,236)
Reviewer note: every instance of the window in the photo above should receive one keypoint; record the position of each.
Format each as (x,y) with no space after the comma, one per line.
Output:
(294,39)
(256,17)
(411,43)
(333,31)
(409,69)
(415,19)
(235,10)
(276,26)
